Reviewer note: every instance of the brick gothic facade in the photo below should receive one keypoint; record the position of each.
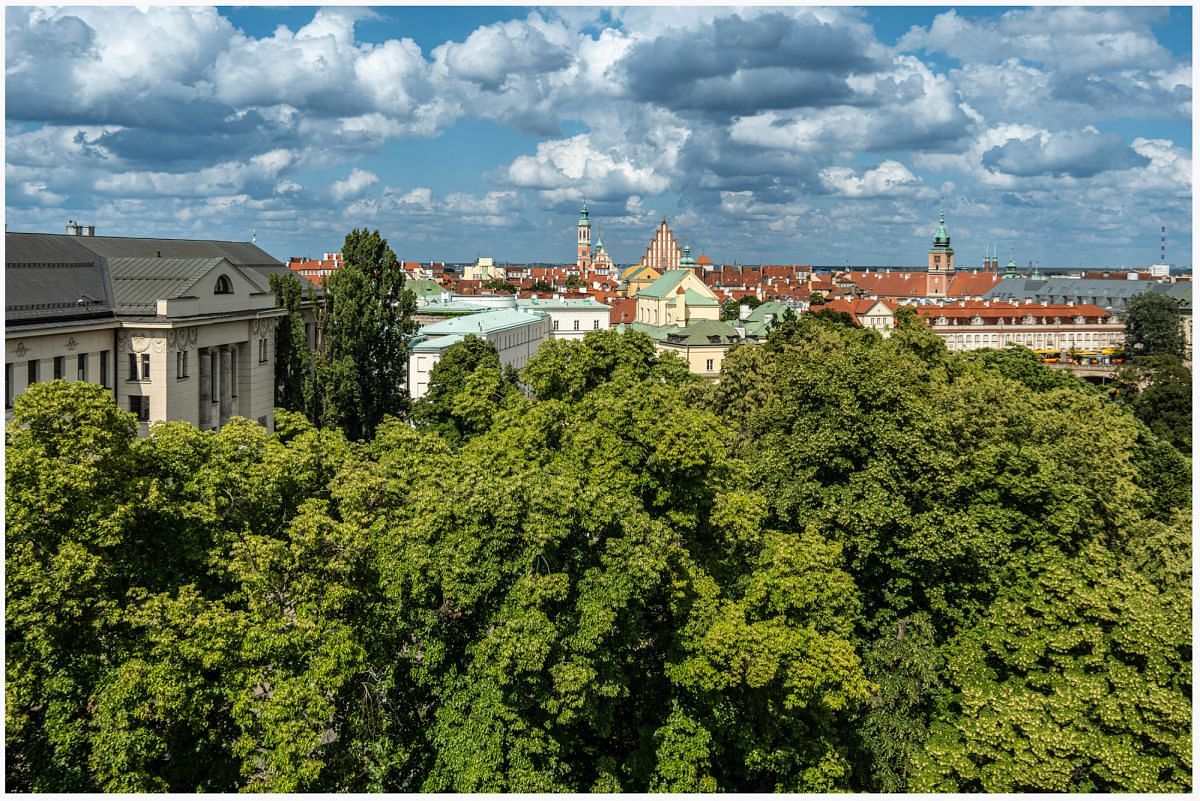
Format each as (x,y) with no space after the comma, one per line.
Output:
(664,252)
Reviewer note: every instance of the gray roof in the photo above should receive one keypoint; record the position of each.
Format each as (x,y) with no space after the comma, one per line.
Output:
(242,254)
(140,282)
(1107,293)
(50,277)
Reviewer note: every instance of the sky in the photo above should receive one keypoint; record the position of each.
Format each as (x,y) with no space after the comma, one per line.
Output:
(785,135)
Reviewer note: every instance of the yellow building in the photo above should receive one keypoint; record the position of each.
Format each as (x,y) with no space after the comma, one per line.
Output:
(636,278)
(683,316)
(484,269)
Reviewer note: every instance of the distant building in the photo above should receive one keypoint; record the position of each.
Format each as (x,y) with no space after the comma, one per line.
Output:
(177,329)
(663,253)
(584,244)
(683,316)
(636,278)
(484,269)
(941,262)
(316,270)
(570,318)
(602,263)
(970,325)
(873,313)
(516,335)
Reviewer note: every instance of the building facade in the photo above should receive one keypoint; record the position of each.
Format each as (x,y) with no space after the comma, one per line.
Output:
(1038,326)
(515,334)
(187,336)
(663,253)
(570,318)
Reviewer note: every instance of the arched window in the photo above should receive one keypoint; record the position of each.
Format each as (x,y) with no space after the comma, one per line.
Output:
(224,286)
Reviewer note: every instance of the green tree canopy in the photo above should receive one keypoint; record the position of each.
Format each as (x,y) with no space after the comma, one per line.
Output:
(1152,326)
(852,564)
(293,358)
(466,389)
(362,346)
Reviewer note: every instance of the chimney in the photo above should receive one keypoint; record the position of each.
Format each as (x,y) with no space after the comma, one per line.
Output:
(91,230)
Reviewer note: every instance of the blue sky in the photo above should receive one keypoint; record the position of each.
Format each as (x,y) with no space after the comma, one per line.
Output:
(798,135)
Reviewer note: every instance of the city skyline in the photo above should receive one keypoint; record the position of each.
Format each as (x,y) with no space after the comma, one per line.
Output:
(1061,136)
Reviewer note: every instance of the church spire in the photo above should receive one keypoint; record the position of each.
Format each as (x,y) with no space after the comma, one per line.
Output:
(941,255)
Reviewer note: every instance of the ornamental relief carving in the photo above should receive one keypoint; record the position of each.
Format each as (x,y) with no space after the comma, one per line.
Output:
(72,344)
(21,350)
(182,338)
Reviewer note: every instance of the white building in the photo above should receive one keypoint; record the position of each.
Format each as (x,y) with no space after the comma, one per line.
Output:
(516,335)
(177,329)
(570,318)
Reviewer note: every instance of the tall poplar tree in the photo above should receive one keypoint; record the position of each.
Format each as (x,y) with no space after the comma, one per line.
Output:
(293,360)
(364,331)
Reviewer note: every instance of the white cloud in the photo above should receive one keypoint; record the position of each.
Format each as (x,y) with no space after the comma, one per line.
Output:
(889,179)
(1074,39)
(573,168)
(353,185)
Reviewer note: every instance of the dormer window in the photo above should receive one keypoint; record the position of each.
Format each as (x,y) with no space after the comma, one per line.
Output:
(224,286)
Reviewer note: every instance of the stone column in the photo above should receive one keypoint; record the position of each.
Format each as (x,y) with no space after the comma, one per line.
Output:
(205,387)
(226,384)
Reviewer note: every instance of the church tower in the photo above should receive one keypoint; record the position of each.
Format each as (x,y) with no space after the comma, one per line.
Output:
(941,261)
(584,260)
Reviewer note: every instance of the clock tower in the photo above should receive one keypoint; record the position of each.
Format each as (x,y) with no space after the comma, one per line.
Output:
(941,261)
(584,261)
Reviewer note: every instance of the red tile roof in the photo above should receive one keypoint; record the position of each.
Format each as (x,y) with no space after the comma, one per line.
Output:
(973,284)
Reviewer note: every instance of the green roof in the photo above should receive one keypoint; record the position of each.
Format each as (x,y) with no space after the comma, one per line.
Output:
(424,287)
(696,332)
(760,312)
(482,323)
(694,298)
(437,345)
(665,285)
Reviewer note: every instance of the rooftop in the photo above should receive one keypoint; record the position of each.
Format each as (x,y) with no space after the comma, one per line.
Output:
(482,323)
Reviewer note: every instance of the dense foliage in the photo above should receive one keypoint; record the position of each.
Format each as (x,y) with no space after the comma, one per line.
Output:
(364,322)
(1152,326)
(853,564)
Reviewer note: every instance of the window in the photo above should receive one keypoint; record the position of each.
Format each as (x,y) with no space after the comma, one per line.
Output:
(81,367)
(262,351)
(709,365)
(104,369)
(145,366)
(33,372)
(133,370)
(576,325)
(213,365)
(556,325)
(60,366)
(233,382)
(181,364)
(9,374)
(140,405)
(224,286)
(595,325)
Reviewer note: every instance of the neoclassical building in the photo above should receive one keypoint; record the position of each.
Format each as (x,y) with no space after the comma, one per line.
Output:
(176,329)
